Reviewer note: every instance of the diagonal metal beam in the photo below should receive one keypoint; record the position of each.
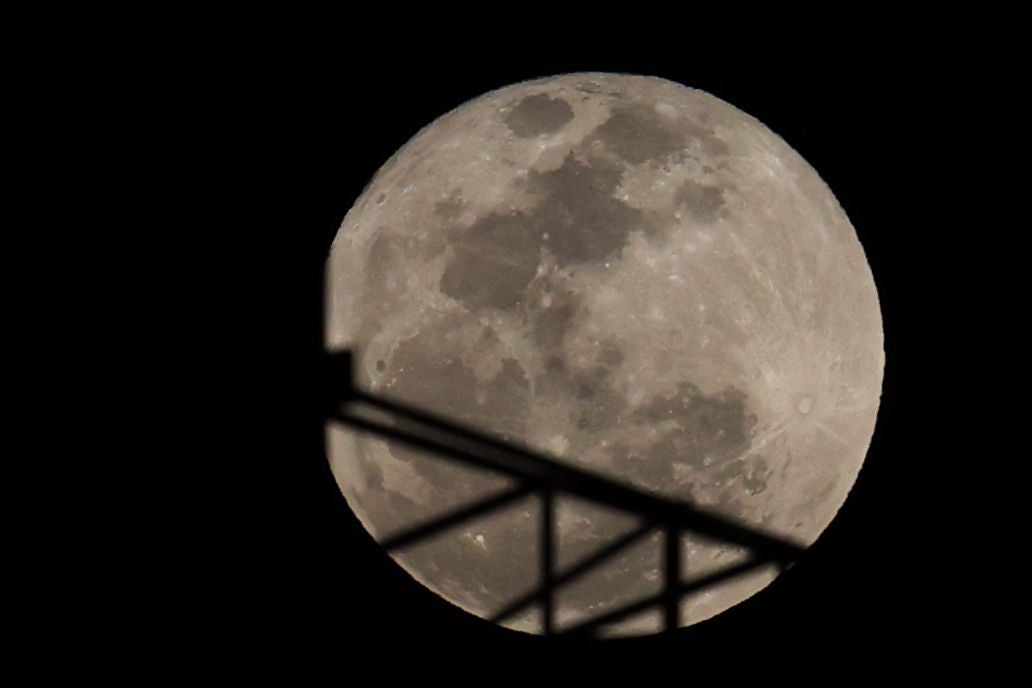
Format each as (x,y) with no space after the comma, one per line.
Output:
(445,450)
(731,571)
(521,462)
(453,518)
(577,570)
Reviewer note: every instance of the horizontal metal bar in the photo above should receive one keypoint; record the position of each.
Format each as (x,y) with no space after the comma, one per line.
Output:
(580,568)
(455,517)
(681,591)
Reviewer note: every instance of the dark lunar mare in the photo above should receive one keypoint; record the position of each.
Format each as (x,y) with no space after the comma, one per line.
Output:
(493,264)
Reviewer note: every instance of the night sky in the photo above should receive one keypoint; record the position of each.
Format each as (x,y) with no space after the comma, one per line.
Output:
(223,542)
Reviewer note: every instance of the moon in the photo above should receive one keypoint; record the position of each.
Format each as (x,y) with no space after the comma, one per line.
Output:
(633,277)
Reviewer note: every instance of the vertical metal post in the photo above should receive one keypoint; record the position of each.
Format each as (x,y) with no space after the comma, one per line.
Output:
(672,578)
(547,561)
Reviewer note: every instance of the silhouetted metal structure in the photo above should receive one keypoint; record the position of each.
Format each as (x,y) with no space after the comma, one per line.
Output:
(536,473)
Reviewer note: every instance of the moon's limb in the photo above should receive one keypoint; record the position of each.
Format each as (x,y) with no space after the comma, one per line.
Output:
(626,273)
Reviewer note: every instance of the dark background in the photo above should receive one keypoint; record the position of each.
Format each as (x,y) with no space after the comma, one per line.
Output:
(223,542)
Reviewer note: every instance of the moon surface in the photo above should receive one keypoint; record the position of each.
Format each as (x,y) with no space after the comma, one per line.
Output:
(631,276)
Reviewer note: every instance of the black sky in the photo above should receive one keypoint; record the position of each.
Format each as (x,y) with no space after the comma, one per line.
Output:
(224,544)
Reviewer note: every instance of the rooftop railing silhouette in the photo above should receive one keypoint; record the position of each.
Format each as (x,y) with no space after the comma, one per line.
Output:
(537,473)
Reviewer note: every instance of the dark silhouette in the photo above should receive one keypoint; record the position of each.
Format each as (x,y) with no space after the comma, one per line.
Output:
(539,473)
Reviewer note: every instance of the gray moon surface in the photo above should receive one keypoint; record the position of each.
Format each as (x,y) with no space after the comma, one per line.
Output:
(633,277)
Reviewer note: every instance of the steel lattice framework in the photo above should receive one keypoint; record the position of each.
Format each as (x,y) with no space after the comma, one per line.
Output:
(538,474)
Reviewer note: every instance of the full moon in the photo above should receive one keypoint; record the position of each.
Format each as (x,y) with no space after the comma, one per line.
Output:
(628,275)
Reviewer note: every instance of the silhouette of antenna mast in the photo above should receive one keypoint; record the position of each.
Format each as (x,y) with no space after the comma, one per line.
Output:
(538,473)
